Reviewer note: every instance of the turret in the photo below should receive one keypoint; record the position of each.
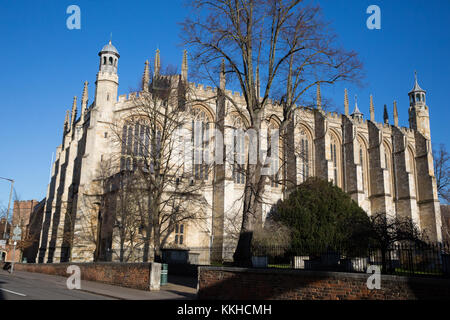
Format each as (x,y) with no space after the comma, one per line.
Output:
(356,113)
(109,58)
(107,79)
(419,118)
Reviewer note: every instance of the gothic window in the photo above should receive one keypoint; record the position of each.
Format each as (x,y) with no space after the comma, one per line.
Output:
(363,161)
(201,129)
(410,168)
(179,234)
(334,160)
(239,151)
(135,146)
(304,156)
(389,168)
(273,153)
(335,154)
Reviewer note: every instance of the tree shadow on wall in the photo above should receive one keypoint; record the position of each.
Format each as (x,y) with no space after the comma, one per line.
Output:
(268,284)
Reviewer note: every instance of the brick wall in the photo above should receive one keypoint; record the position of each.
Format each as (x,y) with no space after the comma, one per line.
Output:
(131,275)
(219,283)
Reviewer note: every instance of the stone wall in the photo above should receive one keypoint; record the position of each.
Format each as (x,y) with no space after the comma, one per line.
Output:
(219,283)
(131,275)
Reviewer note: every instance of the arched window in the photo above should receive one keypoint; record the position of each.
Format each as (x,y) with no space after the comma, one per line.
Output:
(364,163)
(238,150)
(104,60)
(201,130)
(389,168)
(110,60)
(273,153)
(304,155)
(411,169)
(136,147)
(335,154)
(179,233)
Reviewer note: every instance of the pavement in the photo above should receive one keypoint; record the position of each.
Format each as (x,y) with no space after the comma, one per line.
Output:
(37,286)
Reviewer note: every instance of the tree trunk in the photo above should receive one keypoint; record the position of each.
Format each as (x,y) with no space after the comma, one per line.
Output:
(251,216)
(157,243)
(147,243)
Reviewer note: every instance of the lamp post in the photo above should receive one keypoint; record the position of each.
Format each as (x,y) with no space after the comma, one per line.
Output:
(9,205)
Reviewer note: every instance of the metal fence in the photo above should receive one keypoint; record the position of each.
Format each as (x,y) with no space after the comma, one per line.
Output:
(399,259)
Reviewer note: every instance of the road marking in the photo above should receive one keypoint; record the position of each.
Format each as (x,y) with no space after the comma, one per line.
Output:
(19,294)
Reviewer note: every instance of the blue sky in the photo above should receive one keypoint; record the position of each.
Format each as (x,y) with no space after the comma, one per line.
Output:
(44,64)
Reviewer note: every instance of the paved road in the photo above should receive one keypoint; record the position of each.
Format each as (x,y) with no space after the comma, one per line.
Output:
(37,286)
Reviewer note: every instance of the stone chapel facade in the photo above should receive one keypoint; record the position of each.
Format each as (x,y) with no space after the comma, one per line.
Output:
(383,167)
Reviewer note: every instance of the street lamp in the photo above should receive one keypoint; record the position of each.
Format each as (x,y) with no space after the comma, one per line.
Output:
(9,205)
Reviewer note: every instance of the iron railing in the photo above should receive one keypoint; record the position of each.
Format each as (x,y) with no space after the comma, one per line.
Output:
(398,259)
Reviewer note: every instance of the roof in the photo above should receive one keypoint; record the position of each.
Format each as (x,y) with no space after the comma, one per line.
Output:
(416,88)
(109,48)
(356,110)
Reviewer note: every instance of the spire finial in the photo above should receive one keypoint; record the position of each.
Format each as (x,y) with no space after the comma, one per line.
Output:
(110,38)
(146,77)
(372,109)
(356,113)
(346,102)
(184,65)
(395,114)
(385,115)
(84,101)
(157,62)
(66,121)
(318,97)
(74,110)
(222,79)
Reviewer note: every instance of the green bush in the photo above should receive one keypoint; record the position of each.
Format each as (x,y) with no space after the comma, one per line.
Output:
(322,217)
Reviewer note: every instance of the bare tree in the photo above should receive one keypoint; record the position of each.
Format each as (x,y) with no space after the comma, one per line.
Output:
(153,149)
(441,162)
(445,214)
(285,42)
(387,231)
(95,201)
(127,216)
